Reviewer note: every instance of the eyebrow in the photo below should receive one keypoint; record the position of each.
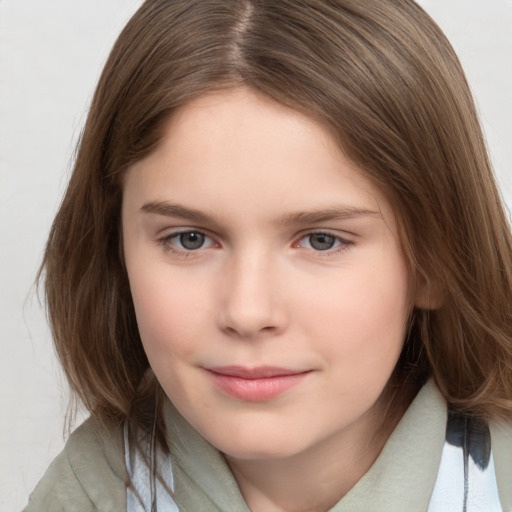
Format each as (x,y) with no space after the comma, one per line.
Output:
(293,218)
(175,210)
(323,215)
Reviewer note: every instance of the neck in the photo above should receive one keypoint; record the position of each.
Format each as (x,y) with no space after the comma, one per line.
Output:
(315,479)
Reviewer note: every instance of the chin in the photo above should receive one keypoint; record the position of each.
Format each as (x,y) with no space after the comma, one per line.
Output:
(258,453)
(259,447)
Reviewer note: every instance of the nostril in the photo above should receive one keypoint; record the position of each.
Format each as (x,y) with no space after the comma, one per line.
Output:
(249,333)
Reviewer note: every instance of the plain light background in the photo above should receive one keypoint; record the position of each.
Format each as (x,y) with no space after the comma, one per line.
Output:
(51,53)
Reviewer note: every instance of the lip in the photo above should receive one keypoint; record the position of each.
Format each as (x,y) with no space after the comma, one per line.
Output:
(257,384)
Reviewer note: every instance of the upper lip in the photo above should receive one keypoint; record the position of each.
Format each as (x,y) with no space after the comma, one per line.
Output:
(259,372)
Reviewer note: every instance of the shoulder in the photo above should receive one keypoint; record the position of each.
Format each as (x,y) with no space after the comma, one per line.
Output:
(87,476)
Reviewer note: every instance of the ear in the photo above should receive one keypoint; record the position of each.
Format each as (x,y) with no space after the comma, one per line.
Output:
(428,294)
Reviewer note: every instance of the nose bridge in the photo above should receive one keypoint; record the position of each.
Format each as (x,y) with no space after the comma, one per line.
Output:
(250,304)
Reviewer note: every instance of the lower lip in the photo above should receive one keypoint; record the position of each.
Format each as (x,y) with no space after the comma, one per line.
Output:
(256,390)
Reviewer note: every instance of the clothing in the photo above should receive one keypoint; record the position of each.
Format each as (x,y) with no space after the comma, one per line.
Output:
(89,475)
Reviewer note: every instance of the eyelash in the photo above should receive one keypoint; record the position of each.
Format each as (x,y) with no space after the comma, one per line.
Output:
(167,242)
(343,244)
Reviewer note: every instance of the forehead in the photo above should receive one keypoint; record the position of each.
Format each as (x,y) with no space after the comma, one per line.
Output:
(233,150)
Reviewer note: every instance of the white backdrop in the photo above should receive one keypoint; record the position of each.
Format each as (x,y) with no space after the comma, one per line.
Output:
(51,53)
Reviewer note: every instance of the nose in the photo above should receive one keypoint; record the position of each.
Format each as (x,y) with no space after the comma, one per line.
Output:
(252,303)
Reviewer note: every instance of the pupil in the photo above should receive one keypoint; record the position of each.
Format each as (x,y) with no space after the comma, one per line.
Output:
(192,240)
(321,241)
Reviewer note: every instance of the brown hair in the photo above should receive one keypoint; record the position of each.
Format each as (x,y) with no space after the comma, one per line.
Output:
(386,81)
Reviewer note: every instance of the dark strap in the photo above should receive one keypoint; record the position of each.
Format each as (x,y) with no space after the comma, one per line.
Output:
(466,480)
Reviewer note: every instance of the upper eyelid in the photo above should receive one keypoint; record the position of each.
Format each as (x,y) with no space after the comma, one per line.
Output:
(177,232)
(345,235)
(170,232)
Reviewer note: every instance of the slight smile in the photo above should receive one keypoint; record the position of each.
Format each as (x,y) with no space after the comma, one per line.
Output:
(255,384)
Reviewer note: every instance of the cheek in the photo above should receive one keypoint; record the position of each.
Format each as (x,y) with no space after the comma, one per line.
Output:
(167,314)
(362,316)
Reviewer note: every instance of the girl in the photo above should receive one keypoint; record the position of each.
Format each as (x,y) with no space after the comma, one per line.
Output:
(280,277)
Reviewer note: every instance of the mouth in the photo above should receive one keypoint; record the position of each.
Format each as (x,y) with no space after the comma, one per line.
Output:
(258,384)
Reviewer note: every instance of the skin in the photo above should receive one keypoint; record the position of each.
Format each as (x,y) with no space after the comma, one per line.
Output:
(260,292)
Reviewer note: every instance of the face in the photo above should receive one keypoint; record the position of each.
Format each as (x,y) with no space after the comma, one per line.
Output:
(269,283)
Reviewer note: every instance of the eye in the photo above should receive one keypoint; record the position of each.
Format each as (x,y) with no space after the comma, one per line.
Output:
(323,242)
(186,241)
(191,241)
